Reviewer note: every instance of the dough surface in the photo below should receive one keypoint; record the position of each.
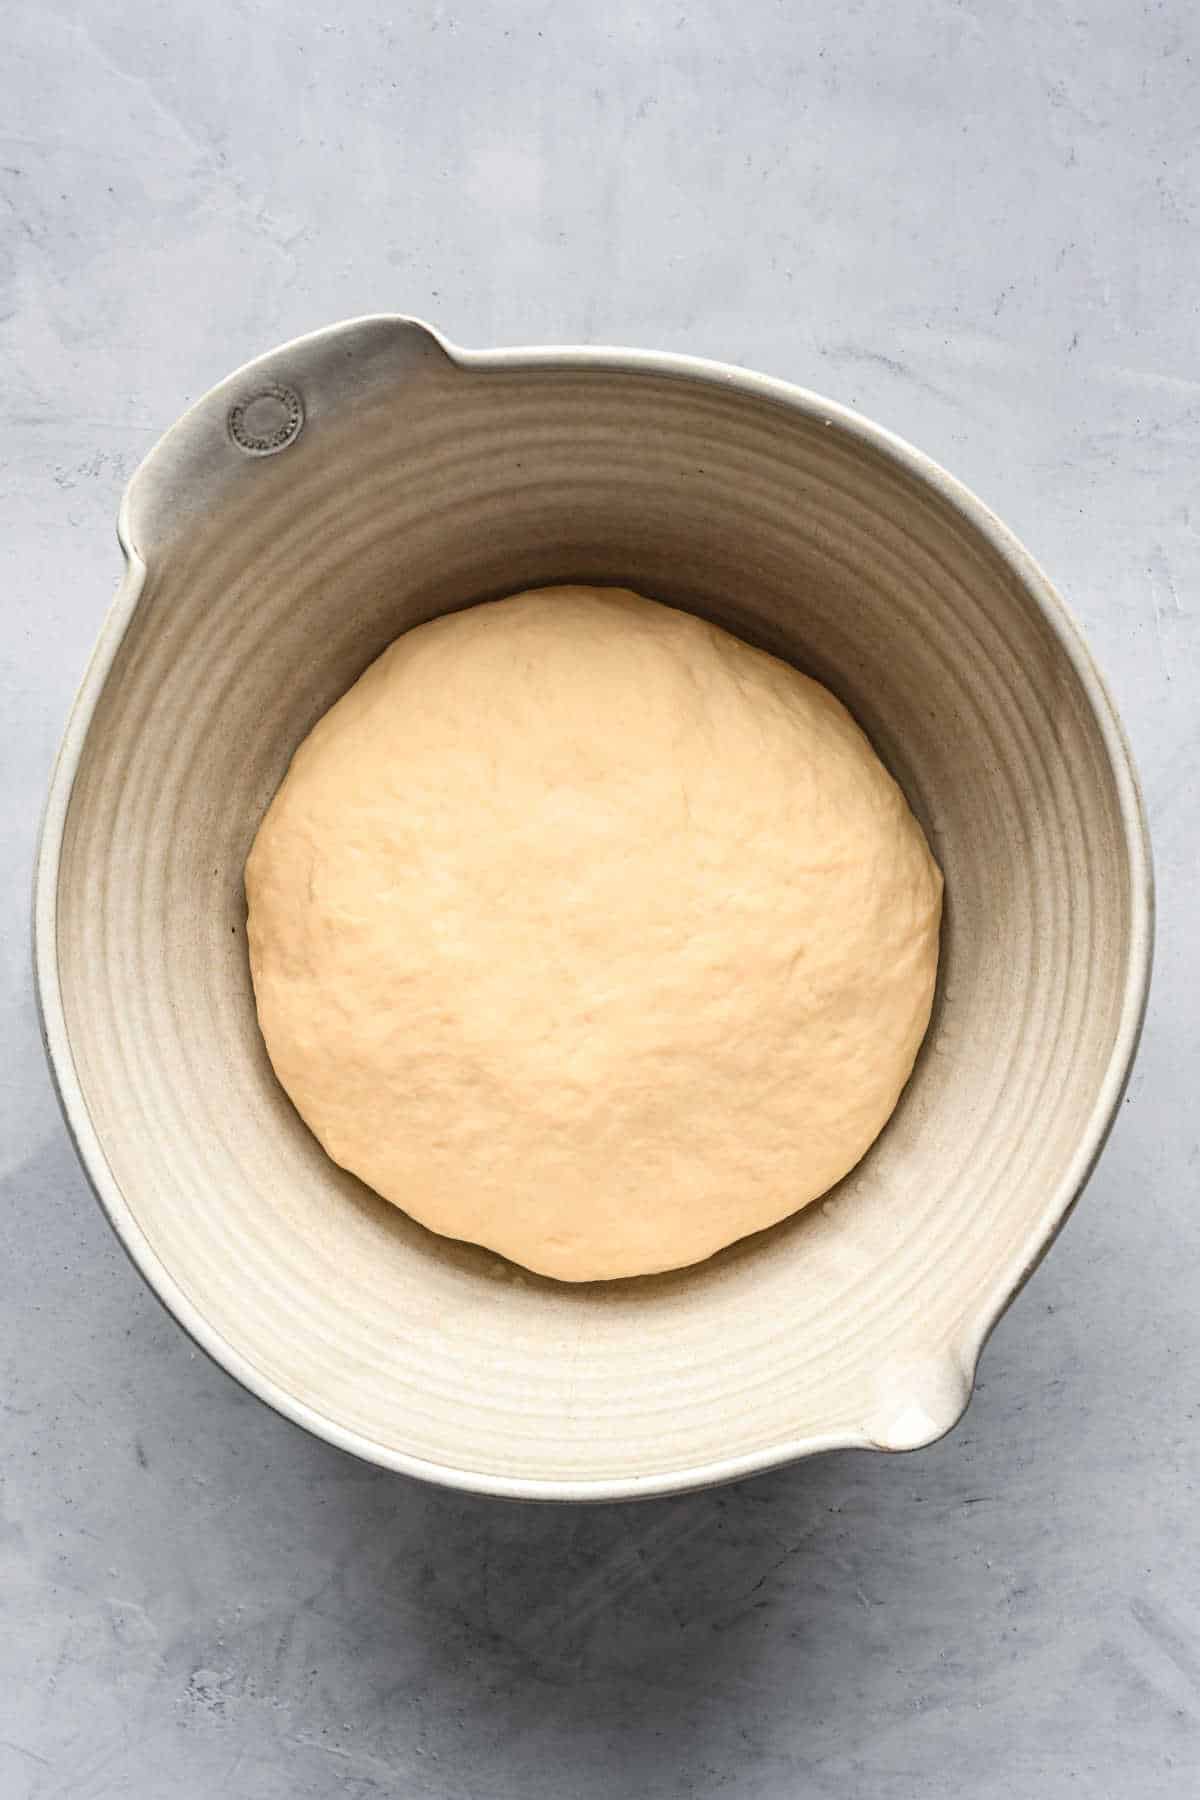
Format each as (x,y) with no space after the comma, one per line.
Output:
(583,931)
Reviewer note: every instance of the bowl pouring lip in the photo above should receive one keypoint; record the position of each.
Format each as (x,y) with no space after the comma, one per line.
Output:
(1009,1280)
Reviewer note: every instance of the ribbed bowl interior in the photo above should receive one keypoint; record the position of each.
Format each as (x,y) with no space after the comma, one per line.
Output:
(421,485)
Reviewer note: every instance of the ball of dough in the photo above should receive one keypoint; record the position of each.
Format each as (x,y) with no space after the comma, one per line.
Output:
(581,930)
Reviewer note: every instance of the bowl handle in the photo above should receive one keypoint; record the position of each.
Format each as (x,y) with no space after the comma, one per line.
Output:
(267,414)
(918,1400)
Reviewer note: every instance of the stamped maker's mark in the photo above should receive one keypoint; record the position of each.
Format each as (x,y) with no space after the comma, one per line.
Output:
(267,420)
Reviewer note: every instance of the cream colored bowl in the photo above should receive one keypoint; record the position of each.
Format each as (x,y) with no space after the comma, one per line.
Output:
(353,483)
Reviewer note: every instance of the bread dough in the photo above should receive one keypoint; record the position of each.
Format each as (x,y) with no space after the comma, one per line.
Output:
(581,930)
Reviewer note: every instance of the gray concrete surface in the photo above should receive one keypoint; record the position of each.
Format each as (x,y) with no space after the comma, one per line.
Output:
(978,222)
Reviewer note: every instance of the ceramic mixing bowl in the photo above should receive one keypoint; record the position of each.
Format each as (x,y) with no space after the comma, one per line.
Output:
(356,482)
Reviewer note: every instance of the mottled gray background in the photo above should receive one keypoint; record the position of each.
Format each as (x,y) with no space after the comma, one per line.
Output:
(976,221)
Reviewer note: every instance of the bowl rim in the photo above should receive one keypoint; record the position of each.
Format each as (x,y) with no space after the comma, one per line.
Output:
(155,470)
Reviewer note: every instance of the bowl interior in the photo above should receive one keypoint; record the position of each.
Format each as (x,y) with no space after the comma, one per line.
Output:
(416,489)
